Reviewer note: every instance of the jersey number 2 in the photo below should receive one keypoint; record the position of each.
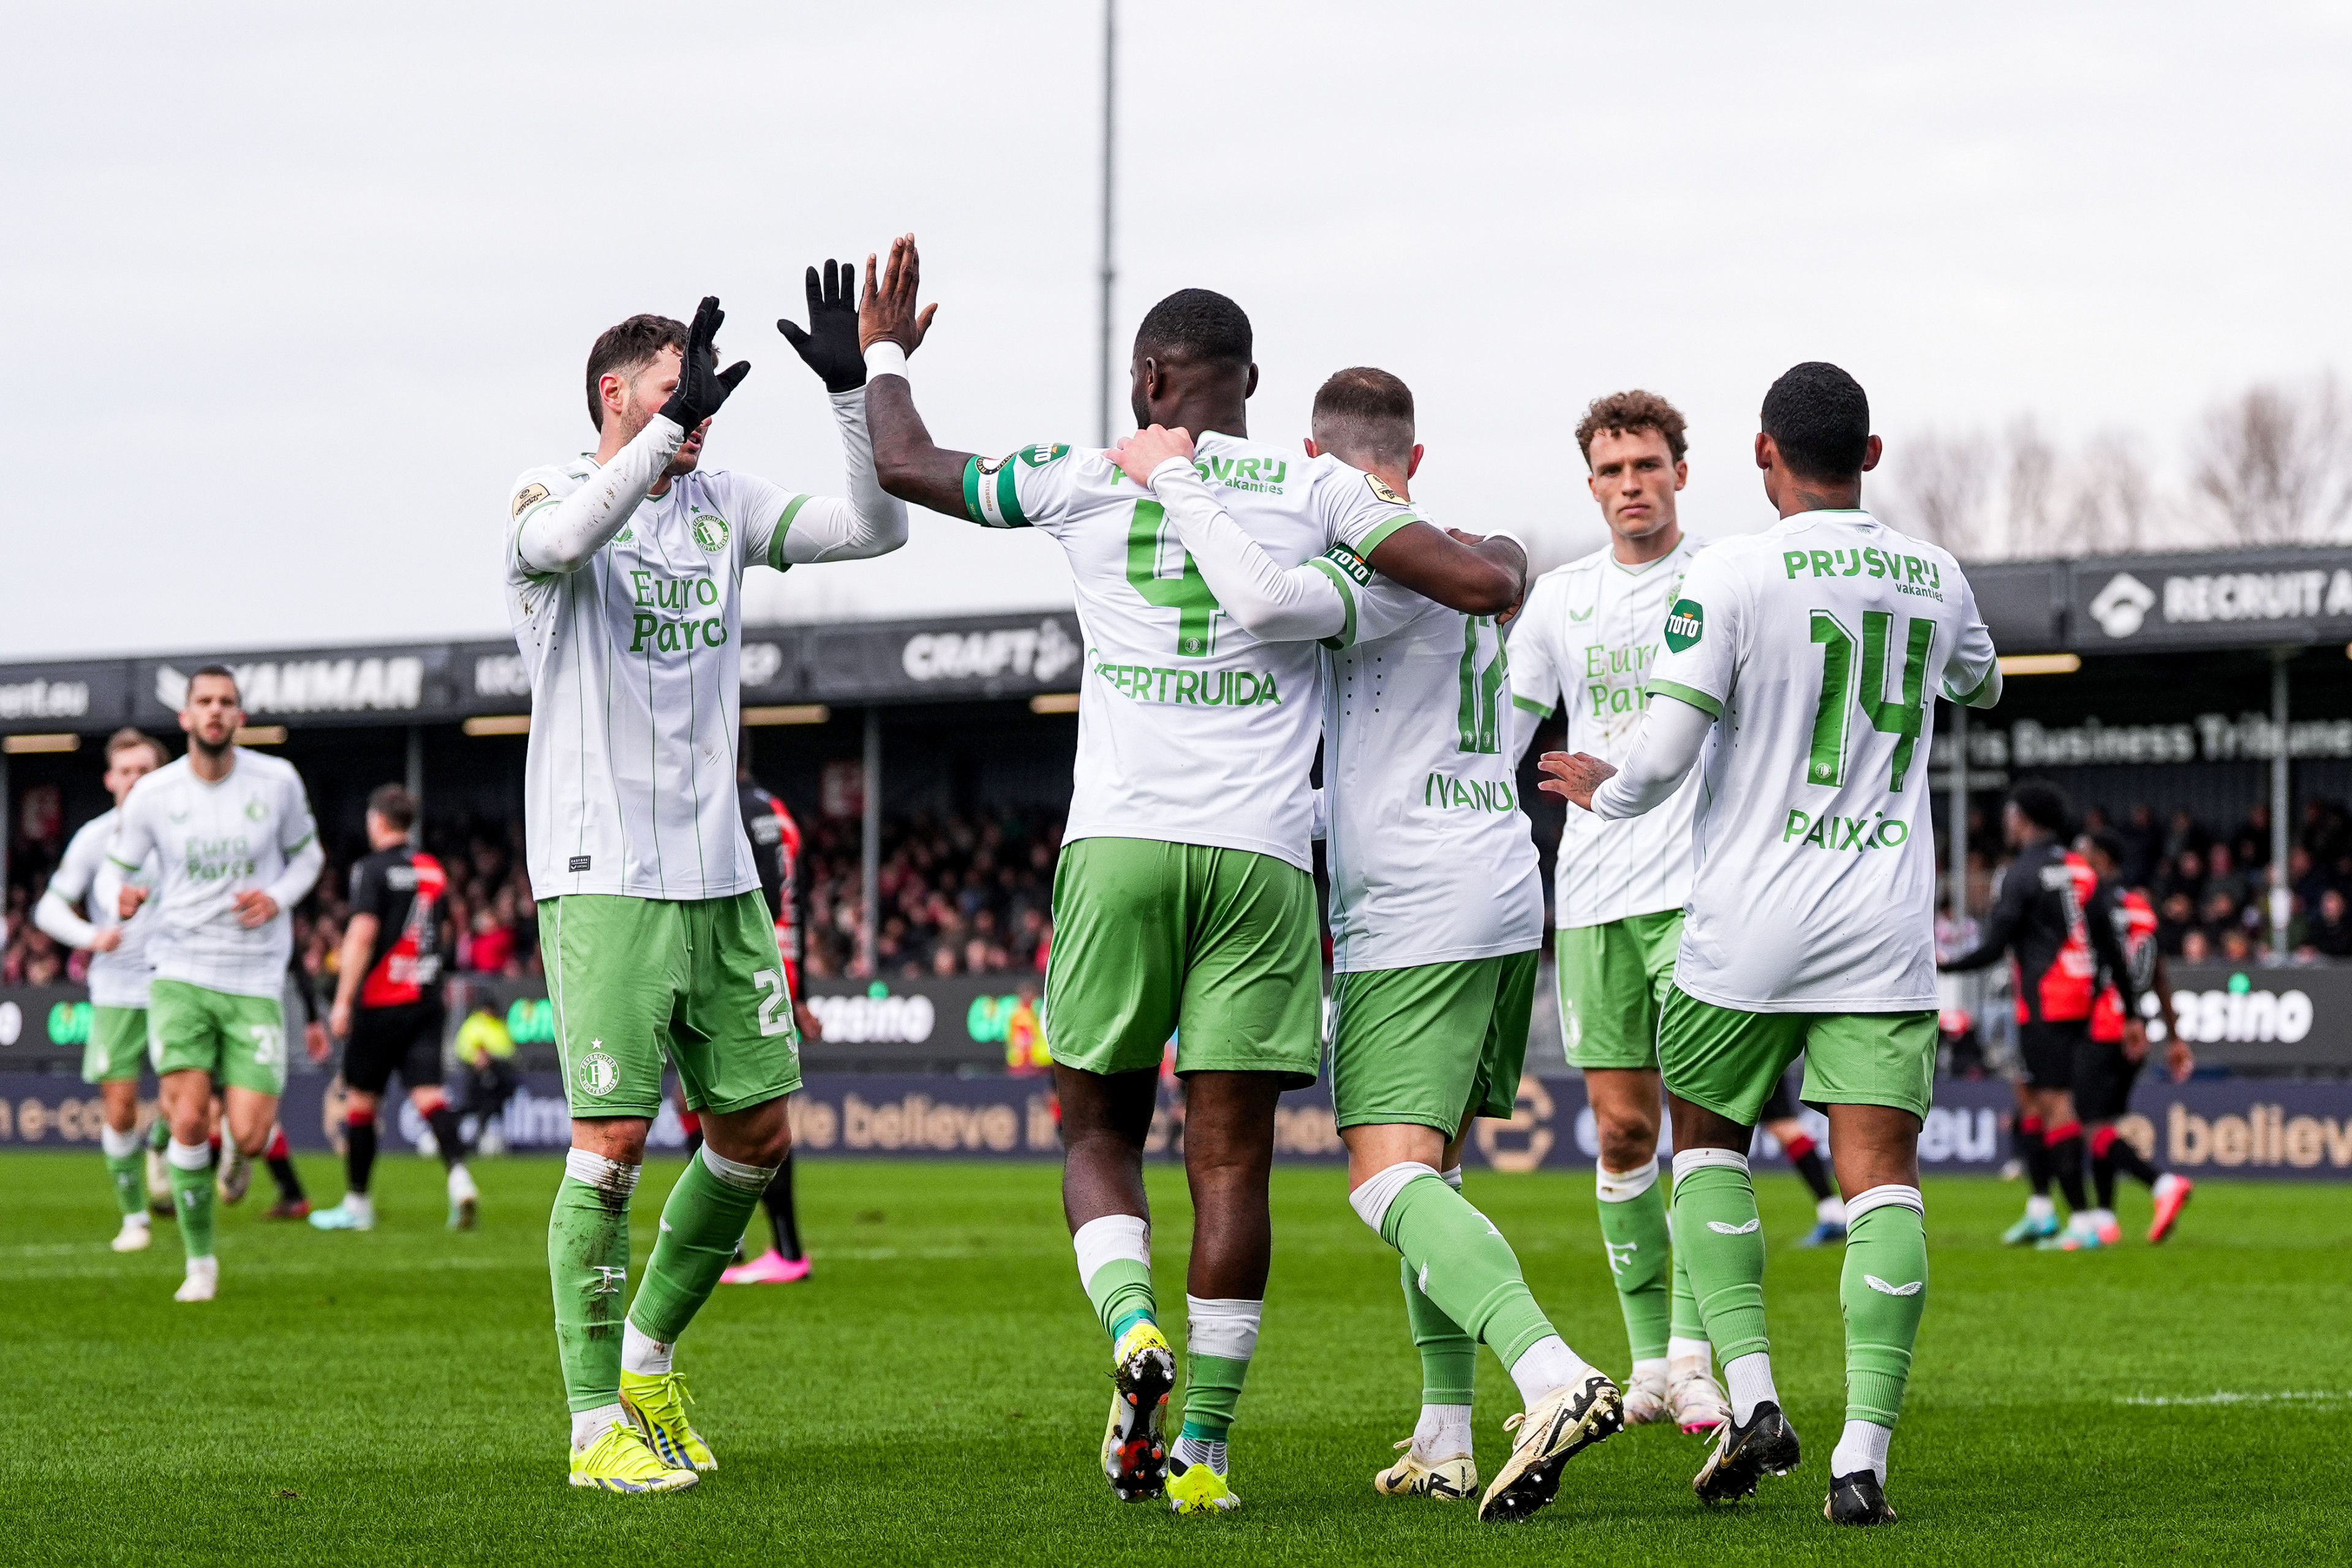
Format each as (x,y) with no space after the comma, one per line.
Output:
(1834,716)
(772,1005)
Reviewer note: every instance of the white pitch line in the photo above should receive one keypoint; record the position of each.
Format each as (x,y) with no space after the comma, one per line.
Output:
(2314,1396)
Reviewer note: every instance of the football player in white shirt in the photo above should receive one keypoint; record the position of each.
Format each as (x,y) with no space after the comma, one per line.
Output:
(624,572)
(1799,676)
(229,836)
(1586,642)
(1436,921)
(118,975)
(1183,901)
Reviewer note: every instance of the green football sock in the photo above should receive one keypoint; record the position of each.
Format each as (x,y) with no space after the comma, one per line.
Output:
(1121,1292)
(588,1265)
(1449,1357)
(1686,1321)
(1464,1265)
(1633,1230)
(159,1134)
(1220,1337)
(192,1200)
(700,1225)
(1723,1248)
(129,1178)
(1884,1291)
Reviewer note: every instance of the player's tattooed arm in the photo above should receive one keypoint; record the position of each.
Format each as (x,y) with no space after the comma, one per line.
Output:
(1462,572)
(911,465)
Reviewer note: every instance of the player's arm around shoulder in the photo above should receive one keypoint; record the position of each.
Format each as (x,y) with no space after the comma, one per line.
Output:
(1476,574)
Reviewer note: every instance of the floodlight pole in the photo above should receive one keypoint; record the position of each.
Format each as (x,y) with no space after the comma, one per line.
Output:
(2282,891)
(1110,100)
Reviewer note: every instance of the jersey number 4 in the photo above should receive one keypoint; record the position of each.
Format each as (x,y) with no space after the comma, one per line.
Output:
(1187,593)
(1842,693)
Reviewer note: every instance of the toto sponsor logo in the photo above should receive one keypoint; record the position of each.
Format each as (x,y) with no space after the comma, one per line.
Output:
(876,1017)
(1039,652)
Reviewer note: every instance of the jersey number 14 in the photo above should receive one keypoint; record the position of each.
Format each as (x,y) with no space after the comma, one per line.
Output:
(1843,693)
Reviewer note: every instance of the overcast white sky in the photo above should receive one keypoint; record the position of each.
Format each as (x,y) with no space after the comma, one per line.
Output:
(294,291)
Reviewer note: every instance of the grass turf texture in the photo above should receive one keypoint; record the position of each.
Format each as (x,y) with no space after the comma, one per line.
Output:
(936,1393)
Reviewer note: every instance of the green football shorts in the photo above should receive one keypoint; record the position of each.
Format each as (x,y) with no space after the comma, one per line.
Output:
(1433,1045)
(1221,948)
(117,1047)
(239,1040)
(699,981)
(1728,1061)
(1612,980)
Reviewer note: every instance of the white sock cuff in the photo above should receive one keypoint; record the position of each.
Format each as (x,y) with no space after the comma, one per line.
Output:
(584,1165)
(1451,1177)
(1679,1348)
(1689,1160)
(1372,1199)
(1113,1238)
(1223,1326)
(1893,1194)
(1623,1186)
(118,1146)
(743,1178)
(188,1156)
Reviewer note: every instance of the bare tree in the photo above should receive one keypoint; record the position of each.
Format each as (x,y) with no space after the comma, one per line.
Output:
(2111,503)
(2273,464)
(2031,492)
(1940,484)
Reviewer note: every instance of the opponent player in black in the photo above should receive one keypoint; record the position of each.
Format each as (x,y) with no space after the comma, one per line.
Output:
(2058,923)
(2106,1067)
(776,849)
(388,1008)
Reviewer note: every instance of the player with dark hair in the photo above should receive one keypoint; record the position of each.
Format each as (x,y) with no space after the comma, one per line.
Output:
(2056,924)
(230,835)
(118,975)
(1183,901)
(623,579)
(388,1009)
(2107,1065)
(1800,673)
(1584,646)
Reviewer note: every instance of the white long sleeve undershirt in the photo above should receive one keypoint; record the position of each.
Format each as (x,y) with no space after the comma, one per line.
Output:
(55,916)
(301,873)
(1297,604)
(1673,732)
(566,537)
(870,523)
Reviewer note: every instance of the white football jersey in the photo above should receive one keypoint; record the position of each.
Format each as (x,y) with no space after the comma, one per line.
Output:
(1430,856)
(636,689)
(1819,644)
(117,979)
(1586,641)
(1190,730)
(208,843)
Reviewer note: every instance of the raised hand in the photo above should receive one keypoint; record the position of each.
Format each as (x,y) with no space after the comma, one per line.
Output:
(830,346)
(1574,777)
(1146,449)
(702,386)
(887,312)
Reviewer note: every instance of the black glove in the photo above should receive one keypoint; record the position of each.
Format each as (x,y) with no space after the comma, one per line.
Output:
(702,386)
(829,347)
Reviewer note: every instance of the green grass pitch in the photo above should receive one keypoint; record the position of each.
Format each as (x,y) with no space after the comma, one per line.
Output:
(935,1395)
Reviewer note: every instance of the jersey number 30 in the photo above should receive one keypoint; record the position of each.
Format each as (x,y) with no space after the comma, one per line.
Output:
(1842,693)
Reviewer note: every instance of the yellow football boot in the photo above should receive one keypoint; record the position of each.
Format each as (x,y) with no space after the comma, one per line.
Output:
(657,1402)
(1135,1444)
(619,1461)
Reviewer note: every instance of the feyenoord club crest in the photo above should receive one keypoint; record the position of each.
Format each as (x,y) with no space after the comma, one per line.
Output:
(710,532)
(598,1074)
